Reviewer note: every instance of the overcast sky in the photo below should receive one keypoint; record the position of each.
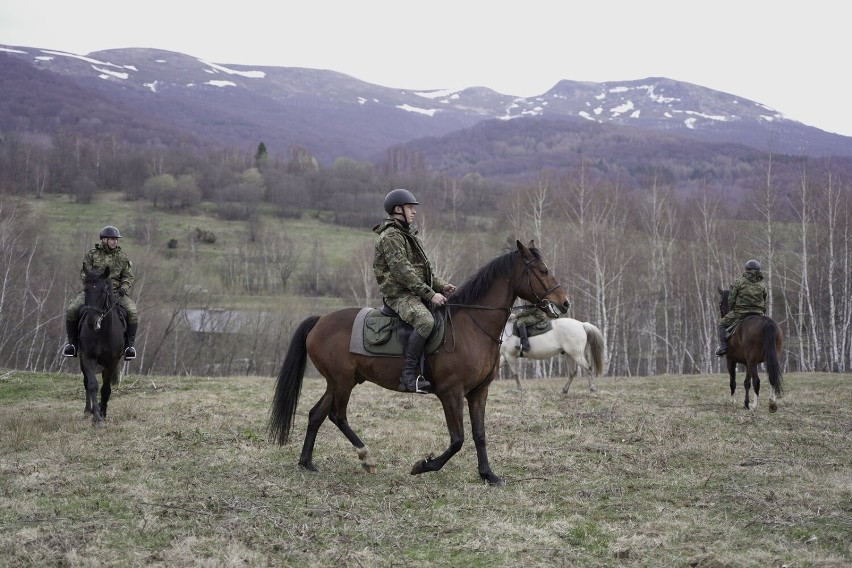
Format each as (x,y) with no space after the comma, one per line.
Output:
(790,56)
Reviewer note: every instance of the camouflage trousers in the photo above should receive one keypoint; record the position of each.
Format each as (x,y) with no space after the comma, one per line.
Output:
(731,317)
(80,299)
(412,310)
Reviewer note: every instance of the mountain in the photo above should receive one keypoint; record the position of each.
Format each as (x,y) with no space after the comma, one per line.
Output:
(160,98)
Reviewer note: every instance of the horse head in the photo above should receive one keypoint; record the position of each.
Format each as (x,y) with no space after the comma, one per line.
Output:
(541,287)
(98,293)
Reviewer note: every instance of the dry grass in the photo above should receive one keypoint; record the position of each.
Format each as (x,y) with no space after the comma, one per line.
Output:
(659,471)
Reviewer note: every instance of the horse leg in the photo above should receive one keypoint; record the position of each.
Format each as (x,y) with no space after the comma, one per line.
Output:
(512,361)
(732,371)
(453,412)
(755,383)
(106,390)
(87,410)
(91,381)
(747,386)
(316,417)
(572,372)
(476,405)
(338,418)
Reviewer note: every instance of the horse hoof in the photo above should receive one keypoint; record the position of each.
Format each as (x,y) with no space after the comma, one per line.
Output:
(494,481)
(99,424)
(308,467)
(419,467)
(772,406)
(369,468)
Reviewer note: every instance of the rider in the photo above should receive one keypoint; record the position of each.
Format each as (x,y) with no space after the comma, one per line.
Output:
(527,318)
(406,281)
(747,296)
(104,254)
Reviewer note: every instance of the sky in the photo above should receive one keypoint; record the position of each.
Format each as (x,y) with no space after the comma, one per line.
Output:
(790,56)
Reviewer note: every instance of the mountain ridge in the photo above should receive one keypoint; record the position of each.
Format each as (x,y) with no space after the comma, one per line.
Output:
(335,115)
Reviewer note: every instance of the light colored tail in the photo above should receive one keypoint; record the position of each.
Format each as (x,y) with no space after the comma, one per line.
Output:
(596,347)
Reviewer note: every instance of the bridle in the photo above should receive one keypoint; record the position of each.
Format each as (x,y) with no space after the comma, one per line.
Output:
(107,303)
(541,302)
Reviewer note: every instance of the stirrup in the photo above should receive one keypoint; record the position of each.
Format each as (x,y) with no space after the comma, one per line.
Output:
(69,350)
(130,353)
(404,387)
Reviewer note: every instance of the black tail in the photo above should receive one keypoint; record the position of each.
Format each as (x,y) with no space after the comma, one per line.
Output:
(289,383)
(773,368)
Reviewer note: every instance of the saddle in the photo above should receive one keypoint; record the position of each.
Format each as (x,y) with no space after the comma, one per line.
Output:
(536,329)
(731,329)
(381,332)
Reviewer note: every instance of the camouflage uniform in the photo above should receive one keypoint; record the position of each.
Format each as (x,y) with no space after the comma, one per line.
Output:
(531,316)
(747,296)
(526,319)
(121,271)
(405,275)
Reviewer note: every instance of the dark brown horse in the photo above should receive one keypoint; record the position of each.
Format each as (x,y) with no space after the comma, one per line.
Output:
(757,339)
(462,368)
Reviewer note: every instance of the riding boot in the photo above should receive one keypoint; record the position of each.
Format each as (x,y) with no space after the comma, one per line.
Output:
(70,349)
(130,351)
(723,341)
(525,340)
(411,380)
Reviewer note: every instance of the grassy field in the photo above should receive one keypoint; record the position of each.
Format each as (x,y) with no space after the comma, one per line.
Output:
(659,471)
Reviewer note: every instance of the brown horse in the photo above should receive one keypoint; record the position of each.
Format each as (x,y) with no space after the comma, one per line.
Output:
(462,368)
(757,339)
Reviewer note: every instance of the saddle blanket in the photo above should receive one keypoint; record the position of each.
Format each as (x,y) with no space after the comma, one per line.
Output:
(378,335)
(533,330)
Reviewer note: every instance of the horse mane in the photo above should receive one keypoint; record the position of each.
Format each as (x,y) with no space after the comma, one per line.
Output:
(483,279)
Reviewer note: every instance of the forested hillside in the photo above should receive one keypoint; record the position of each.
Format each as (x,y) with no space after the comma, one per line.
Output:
(232,249)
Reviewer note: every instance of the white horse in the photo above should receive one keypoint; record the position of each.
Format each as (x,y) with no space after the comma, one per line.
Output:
(581,342)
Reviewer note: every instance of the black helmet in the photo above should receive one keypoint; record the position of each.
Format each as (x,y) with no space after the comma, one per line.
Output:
(399,197)
(752,265)
(110,232)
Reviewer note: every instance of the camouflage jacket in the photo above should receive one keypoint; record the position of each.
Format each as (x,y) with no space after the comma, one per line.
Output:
(401,265)
(120,267)
(748,294)
(531,316)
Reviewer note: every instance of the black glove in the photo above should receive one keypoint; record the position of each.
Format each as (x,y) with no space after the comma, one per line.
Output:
(122,292)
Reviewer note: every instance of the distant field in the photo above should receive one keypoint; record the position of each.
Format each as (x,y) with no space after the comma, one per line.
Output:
(73,227)
(67,218)
(659,471)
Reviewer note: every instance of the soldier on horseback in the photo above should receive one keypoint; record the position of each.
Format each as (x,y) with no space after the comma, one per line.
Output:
(104,254)
(747,296)
(527,318)
(406,281)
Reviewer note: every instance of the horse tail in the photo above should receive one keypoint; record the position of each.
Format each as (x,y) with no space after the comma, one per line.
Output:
(595,344)
(770,355)
(289,384)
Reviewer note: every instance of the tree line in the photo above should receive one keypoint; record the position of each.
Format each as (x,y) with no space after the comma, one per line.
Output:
(644,265)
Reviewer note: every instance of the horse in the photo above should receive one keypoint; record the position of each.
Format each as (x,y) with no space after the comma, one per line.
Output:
(101,343)
(462,368)
(581,342)
(757,339)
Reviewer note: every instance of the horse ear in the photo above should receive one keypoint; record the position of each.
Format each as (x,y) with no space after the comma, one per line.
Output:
(720,290)
(525,252)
